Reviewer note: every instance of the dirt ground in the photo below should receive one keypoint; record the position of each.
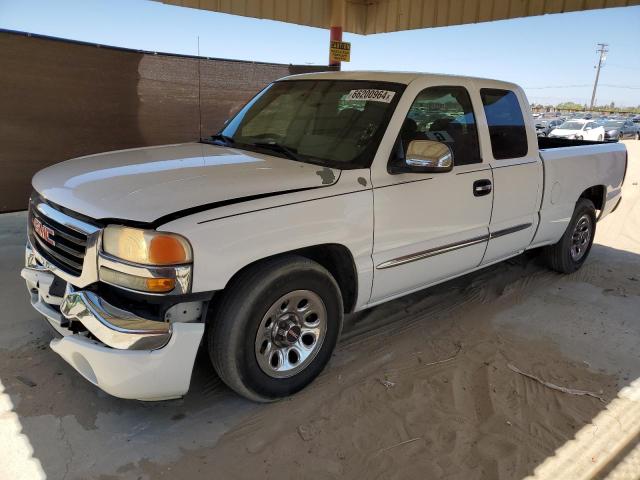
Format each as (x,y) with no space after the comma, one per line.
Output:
(509,372)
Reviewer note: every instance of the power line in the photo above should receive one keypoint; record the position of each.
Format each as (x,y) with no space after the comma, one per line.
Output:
(620,86)
(631,87)
(557,86)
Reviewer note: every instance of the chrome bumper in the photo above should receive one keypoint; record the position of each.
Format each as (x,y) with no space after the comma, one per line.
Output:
(114,327)
(126,355)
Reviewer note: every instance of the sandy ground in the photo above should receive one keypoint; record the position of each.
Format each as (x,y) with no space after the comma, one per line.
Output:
(428,386)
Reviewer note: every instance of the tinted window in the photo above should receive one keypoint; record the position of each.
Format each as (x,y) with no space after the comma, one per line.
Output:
(506,124)
(444,114)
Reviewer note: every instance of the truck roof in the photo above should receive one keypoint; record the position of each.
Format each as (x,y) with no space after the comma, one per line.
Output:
(396,77)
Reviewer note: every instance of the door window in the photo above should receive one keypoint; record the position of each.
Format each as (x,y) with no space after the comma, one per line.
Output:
(506,124)
(444,114)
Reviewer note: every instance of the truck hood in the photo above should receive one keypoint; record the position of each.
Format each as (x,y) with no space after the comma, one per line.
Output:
(145,184)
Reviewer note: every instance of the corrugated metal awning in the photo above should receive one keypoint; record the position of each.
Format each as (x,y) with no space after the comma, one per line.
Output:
(380,16)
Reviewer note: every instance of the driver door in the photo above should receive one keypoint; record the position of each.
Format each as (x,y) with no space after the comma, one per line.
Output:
(432,226)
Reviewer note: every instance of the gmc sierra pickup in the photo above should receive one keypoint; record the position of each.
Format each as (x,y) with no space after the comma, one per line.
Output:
(325,194)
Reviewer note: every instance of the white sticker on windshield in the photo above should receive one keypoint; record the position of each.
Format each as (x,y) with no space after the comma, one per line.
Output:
(371,95)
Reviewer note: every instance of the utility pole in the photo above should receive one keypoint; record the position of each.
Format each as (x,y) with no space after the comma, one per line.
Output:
(603,50)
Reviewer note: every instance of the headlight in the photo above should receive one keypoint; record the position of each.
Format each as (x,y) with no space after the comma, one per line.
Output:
(146,247)
(145,260)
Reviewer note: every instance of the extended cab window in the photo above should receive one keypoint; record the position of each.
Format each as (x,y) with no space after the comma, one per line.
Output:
(506,124)
(444,114)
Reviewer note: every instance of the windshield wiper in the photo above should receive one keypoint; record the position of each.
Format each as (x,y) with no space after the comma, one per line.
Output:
(218,139)
(277,147)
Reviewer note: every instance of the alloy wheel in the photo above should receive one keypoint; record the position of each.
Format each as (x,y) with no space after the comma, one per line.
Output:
(291,333)
(581,237)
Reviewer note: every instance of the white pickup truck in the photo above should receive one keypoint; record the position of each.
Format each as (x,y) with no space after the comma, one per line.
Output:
(326,194)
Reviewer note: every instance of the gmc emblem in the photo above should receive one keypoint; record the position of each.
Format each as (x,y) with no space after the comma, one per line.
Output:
(43,231)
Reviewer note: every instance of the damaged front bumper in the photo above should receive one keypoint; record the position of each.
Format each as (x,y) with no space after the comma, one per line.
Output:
(122,353)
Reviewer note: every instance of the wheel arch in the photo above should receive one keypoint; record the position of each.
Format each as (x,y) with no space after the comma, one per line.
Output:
(335,257)
(597,194)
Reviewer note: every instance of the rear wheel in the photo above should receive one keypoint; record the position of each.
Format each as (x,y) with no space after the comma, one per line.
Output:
(572,250)
(275,327)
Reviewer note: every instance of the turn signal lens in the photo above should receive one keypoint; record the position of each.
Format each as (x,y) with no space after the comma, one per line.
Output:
(147,247)
(133,282)
(160,284)
(167,250)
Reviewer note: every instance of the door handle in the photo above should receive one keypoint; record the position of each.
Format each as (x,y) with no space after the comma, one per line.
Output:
(481,187)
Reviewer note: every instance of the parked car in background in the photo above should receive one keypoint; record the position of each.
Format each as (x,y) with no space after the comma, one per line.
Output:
(636,119)
(579,129)
(545,125)
(615,130)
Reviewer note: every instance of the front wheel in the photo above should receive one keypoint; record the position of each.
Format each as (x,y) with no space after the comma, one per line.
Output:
(572,250)
(275,327)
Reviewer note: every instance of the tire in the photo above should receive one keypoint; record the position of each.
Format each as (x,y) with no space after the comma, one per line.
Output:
(563,257)
(244,342)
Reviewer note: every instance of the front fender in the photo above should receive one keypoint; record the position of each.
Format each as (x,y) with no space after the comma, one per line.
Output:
(226,240)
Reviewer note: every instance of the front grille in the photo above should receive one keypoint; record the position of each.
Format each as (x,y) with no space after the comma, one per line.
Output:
(66,247)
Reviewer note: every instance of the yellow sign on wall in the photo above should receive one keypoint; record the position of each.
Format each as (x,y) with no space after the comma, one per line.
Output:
(340,51)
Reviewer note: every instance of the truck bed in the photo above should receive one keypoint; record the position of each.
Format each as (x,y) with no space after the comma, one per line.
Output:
(570,167)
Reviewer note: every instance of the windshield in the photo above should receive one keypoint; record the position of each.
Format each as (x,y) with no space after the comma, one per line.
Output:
(614,124)
(335,123)
(571,126)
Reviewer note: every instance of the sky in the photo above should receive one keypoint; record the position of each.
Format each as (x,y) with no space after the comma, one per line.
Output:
(552,56)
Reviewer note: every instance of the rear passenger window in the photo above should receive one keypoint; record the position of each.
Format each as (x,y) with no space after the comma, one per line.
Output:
(506,124)
(444,114)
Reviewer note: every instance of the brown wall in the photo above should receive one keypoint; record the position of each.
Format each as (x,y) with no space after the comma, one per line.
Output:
(61,99)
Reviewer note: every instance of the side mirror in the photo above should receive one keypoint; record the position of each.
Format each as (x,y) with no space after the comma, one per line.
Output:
(424,156)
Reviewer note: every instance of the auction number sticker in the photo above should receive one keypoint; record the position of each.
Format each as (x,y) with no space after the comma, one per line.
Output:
(370,95)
